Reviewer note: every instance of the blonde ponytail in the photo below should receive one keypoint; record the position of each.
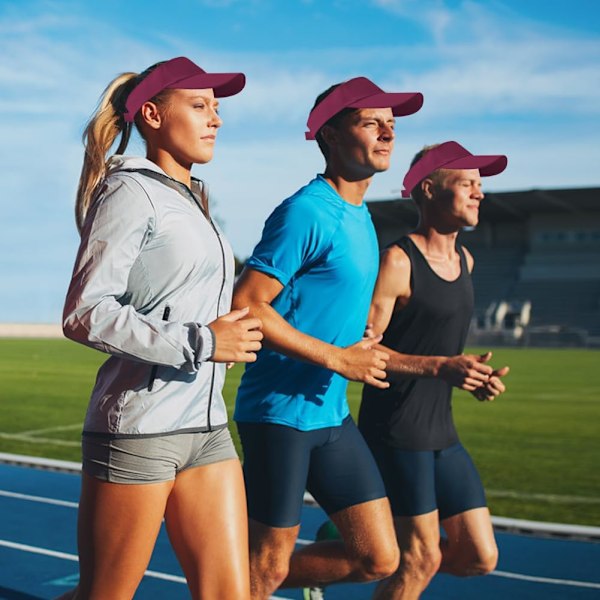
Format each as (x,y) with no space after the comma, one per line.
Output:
(100,134)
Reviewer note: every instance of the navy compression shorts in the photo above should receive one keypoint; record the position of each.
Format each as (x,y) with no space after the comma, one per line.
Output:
(421,481)
(334,464)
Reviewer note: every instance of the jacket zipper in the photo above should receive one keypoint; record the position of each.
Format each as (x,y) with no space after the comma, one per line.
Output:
(158,176)
(223,279)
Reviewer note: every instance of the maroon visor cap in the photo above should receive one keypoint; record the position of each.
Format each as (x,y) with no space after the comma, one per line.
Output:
(181,73)
(451,155)
(360,92)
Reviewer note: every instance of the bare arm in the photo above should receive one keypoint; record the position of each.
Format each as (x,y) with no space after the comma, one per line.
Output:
(392,292)
(359,362)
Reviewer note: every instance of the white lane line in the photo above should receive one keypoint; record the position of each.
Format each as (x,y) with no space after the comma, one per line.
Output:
(50,429)
(37,440)
(74,558)
(36,550)
(40,499)
(179,579)
(299,541)
(571,582)
(555,498)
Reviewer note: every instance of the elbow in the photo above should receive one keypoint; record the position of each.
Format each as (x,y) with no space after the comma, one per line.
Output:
(241,300)
(70,329)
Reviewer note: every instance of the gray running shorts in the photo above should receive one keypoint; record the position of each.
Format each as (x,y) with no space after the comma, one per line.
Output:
(153,459)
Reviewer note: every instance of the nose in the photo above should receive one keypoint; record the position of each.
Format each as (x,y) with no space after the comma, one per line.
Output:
(215,120)
(387,132)
(478,193)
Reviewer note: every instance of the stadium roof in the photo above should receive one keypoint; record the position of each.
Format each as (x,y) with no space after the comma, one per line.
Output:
(502,206)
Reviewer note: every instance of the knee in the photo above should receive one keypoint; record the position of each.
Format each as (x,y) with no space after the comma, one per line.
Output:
(482,562)
(422,563)
(486,561)
(270,570)
(379,564)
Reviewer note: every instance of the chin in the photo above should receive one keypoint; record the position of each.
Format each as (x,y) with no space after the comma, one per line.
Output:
(203,158)
(380,168)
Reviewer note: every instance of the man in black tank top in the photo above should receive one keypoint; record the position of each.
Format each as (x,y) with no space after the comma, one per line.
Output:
(423,303)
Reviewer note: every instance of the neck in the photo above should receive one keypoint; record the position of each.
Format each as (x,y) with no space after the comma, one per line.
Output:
(437,241)
(170,166)
(352,190)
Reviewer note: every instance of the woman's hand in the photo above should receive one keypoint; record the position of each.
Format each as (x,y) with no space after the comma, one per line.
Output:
(237,338)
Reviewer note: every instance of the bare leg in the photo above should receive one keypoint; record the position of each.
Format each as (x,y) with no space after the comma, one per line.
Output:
(208,527)
(270,551)
(368,551)
(420,557)
(470,547)
(117,529)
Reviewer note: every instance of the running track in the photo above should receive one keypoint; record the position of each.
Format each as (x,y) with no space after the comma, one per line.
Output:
(38,553)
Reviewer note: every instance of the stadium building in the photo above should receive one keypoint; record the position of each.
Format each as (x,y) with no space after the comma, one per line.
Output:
(537,264)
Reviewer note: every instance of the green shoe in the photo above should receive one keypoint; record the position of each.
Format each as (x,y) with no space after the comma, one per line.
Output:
(327,531)
(313,593)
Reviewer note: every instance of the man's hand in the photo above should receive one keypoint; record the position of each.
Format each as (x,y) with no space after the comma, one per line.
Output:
(466,371)
(237,338)
(362,362)
(493,388)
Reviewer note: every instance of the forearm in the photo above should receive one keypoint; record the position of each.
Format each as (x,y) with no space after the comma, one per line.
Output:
(282,337)
(408,366)
(122,331)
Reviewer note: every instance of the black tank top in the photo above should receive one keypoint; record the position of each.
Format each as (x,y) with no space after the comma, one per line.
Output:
(416,414)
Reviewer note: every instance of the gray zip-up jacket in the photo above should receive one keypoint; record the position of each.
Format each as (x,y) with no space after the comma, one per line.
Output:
(152,270)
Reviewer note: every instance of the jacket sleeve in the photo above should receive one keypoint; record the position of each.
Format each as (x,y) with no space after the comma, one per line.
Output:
(119,224)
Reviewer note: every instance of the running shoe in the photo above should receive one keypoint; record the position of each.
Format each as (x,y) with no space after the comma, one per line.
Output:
(314,593)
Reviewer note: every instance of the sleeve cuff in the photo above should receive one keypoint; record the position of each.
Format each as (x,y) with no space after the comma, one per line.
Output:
(202,340)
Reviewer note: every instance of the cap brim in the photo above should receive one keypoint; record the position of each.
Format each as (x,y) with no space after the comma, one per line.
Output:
(223,84)
(401,103)
(487,165)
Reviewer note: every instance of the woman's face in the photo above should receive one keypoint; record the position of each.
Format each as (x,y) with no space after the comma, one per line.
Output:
(189,124)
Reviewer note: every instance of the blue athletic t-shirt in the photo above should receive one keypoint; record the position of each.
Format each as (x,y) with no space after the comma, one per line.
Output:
(324,252)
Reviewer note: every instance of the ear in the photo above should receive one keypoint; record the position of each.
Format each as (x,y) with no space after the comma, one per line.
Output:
(151,115)
(427,188)
(329,135)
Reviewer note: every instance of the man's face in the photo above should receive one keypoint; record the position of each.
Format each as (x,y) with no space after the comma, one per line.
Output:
(364,140)
(458,194)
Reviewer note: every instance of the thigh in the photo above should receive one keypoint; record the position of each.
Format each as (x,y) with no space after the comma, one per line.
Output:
(117,529)
(409,477)
(457,482)
(367,530)
(469,547)
(276,460)
(419,534)
(207,524)
(342,470)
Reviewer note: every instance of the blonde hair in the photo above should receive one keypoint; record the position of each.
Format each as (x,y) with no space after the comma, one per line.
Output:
(100,133)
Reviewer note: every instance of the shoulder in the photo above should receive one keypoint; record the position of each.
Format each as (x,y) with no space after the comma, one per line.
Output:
(303,213)
(121,199)
(126,188)
(395,259)
(469,258)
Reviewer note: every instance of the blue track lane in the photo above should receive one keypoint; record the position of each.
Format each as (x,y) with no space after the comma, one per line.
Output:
(38,553)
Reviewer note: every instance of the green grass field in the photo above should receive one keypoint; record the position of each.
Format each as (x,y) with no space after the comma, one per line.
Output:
(537,447)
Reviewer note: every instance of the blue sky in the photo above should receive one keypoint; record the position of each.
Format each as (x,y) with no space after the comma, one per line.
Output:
(503,76)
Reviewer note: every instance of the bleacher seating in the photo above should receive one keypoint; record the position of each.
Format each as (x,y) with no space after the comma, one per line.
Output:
(563,287)
(495,274)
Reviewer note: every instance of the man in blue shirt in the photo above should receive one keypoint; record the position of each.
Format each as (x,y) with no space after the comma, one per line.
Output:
(310,281)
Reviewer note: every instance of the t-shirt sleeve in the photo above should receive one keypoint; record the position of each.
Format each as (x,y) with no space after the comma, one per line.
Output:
(295,236)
